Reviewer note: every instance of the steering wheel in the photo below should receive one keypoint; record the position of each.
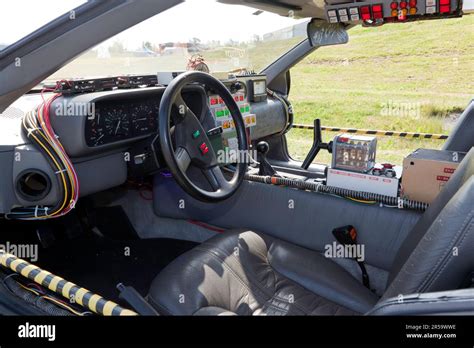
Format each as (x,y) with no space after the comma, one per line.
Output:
(191,146)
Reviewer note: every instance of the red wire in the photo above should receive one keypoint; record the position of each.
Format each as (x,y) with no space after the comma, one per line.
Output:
(202,224)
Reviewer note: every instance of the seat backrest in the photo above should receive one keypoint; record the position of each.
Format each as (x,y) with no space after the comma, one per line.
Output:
(462,136)
(438,253)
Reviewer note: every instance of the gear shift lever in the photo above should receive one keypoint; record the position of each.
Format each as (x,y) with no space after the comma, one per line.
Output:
(265,168)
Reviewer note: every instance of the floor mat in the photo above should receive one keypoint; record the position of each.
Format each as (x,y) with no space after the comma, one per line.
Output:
(112,222)
(99,264)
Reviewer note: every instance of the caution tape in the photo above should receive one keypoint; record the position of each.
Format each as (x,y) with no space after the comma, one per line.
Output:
(69,290)
(376,132)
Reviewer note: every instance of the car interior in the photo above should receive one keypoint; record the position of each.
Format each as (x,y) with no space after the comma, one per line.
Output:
(135,211)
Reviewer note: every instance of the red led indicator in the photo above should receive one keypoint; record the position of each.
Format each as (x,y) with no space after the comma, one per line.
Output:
(444,2)
(376,8)
(403,4)
(365,12)
(413,3)
(444,8)
(213,101)
(394,5)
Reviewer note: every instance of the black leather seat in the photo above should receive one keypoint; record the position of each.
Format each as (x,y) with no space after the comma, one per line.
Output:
(249,273)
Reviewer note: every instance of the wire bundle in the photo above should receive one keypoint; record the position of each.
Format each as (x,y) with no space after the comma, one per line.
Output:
(37,127)
(357,196)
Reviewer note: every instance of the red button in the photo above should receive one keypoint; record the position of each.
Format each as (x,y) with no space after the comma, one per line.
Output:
(214,101)
(202,146)
(376,8)
(444,2)
(206,150)
(444,9)
(241,98)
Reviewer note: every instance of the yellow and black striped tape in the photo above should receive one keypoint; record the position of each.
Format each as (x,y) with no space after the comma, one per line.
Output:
(83,297)
(376,132)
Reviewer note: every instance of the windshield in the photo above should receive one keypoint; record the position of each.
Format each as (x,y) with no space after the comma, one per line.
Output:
(225,37)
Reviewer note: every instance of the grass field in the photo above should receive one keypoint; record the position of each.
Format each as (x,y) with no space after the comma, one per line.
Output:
(411,77)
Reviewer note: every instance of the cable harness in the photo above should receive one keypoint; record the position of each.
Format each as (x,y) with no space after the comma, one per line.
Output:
(37,127)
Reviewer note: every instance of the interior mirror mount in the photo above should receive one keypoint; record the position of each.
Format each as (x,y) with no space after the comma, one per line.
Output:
(322,33)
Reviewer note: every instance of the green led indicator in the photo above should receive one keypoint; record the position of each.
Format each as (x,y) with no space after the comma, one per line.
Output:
(226,112)
(220,113)
(196,134)
(247,108)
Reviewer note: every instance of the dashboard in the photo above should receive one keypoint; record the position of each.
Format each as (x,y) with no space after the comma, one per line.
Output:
(110,133)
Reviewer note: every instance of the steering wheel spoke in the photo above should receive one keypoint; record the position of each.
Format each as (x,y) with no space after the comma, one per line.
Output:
(216,178)
(182,158)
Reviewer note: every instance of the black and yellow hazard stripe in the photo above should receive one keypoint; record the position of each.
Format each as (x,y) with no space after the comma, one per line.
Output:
(81,296)
(376,132)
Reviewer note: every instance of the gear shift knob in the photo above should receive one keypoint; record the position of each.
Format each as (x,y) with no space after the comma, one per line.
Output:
(265,166)
(263,147)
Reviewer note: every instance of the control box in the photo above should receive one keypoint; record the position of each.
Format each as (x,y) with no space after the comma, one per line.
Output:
(354,152)
(365,182)
(390,10)
(223,118)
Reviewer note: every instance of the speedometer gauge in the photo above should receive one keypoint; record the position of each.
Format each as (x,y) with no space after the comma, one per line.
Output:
(143,119)
(116,123)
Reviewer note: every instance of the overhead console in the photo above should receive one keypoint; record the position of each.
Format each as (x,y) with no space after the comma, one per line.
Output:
(377,12)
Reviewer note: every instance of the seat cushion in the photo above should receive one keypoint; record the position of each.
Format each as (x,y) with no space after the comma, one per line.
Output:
(249,273)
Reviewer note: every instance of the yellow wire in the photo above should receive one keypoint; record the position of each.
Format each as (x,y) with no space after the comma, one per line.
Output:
(59,153)
(59,303)
(361,201)
(31,290)
(58,168)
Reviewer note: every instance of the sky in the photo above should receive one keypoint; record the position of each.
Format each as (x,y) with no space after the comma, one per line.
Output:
(204,19)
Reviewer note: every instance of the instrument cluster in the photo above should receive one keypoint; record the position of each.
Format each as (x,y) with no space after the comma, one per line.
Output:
(120,120)
(116,120)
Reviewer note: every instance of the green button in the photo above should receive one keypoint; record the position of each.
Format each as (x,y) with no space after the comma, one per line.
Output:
(220,113)
(242,109)
(247,109)
(226,112)
(196,134)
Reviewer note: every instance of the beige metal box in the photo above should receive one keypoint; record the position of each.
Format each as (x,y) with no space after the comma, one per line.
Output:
(426,171)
